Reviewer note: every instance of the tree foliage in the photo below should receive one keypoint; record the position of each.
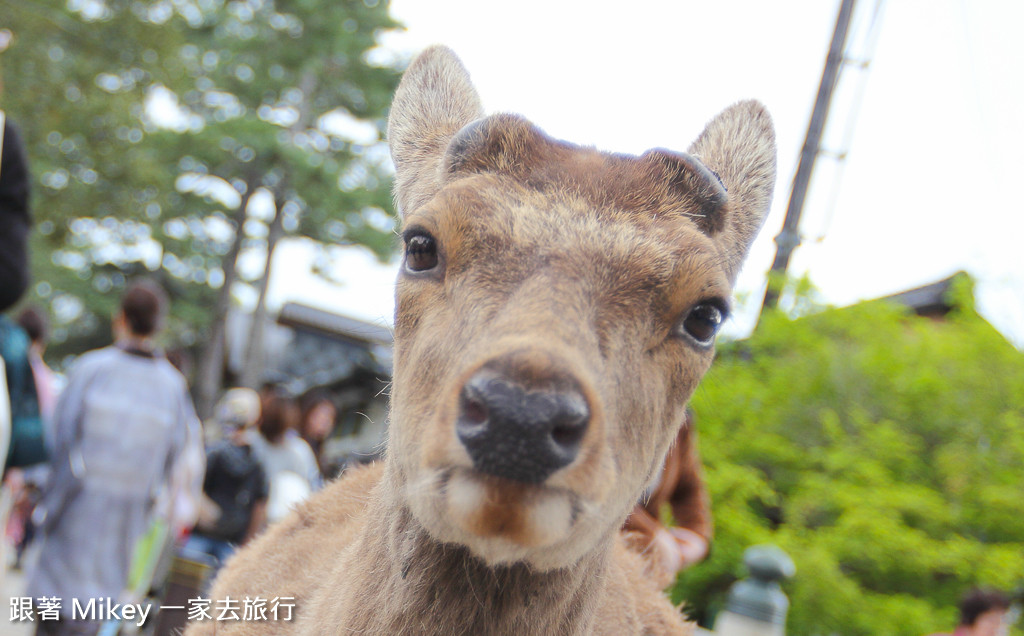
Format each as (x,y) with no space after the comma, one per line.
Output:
(881,450)
(171,136)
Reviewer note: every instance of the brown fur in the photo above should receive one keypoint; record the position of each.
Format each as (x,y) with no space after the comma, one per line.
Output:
(563,264)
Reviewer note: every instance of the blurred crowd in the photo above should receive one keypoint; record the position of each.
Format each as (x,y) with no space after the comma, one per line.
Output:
(107,472)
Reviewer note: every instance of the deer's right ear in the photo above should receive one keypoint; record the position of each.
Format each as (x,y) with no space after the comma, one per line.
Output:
(434,100)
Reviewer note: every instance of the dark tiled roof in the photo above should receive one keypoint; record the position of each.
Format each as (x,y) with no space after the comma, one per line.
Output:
(327,349)
(330,324)
(929,300)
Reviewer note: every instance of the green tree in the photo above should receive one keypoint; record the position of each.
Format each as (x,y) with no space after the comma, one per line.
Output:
(77,92)
(171,137)
(881,450)
(303,126)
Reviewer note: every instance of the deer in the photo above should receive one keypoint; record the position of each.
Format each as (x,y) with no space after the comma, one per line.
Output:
(555,309)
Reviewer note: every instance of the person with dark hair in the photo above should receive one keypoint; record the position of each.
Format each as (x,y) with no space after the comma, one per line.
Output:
(120,426)
(143,308)
(15,219)
(287,460)
(983,612)
(32,320)
(317,423)
(35,325)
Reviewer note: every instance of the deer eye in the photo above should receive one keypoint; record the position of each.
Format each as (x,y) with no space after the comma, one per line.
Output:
(702,322)
(420,252)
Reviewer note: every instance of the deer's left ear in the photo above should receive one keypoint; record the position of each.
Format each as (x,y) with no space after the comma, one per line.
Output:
(739,147)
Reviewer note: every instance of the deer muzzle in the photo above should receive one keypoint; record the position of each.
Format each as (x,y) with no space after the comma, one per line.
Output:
(519,432)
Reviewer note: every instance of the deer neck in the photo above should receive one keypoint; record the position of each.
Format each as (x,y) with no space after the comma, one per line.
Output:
(433,587)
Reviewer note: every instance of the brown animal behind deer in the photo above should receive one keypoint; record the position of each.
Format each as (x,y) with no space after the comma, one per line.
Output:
(555,310)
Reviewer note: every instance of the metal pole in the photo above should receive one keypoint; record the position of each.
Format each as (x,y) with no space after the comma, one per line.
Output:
(789,238)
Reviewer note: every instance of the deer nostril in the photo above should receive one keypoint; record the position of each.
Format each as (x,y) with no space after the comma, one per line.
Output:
(569,429)
(474,411)
(567,436)
(570,424)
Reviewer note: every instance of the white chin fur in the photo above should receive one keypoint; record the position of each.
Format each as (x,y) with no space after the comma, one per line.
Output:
(452,513)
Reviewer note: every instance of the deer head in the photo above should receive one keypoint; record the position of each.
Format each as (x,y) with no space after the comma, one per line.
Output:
(556,308)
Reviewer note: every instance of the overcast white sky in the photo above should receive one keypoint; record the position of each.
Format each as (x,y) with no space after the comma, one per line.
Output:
(935,153)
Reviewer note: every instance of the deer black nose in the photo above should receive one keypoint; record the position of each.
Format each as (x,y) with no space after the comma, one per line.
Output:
(520,433)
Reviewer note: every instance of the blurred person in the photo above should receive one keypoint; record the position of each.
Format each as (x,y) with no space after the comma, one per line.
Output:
(15,218)
(679,486)
(235,487)
(5,419)
(20,423)
(27,439)
(271,386)
(983,613)
(181,502)
(32,320)
(316,424)
(120,425)
(19,527)
(23,435)
(287,460)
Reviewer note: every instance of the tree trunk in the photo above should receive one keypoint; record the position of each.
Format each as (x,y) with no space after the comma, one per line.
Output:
(255,358)
(210,374)
(254,366)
